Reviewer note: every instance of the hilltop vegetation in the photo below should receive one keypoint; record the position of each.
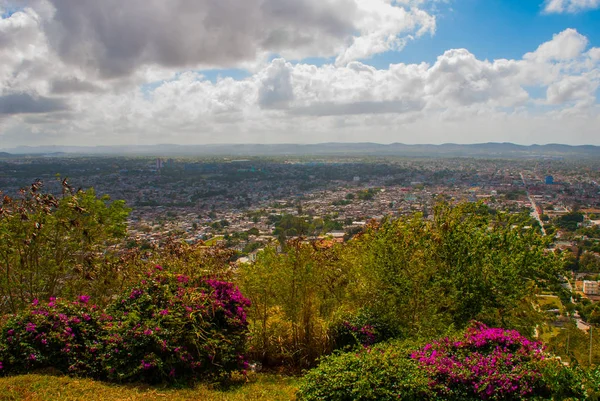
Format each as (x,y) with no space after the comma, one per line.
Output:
(180,313)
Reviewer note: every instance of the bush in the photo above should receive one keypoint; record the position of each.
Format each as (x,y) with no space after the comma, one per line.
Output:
(496,364)
(362,328)
(484,364)
(383,372)
(59,334)
(167,328)
(171,327)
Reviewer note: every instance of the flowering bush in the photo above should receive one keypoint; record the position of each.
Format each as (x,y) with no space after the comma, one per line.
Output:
(487,363)
(171,327)
(58,334)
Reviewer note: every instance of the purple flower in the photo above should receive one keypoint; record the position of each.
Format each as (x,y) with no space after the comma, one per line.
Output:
(84,299)
(30,327)
(32,357)
(35,302)
(164,312)
(159,267)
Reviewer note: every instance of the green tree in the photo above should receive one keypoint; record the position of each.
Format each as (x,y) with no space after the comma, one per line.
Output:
(465,264)
(295,296)
(57,246)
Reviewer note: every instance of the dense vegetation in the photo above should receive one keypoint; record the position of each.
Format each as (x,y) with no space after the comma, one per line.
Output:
(175,313)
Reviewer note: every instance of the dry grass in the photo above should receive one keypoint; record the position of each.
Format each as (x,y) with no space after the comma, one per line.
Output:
(34,387)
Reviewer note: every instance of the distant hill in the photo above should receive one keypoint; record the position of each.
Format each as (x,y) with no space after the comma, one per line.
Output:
(322,149)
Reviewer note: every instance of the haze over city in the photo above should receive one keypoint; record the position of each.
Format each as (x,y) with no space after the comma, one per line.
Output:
(88,73)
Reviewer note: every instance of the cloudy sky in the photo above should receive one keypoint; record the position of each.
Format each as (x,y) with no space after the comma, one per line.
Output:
(110,72)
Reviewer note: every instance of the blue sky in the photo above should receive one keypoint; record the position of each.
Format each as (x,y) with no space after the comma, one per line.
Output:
(490,29)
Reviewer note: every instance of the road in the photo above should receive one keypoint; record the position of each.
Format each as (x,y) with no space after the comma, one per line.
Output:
(534,213)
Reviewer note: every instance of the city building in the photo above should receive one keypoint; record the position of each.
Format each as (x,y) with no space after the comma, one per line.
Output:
(590,287)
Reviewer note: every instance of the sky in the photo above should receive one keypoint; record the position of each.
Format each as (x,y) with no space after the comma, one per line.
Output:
(112,72)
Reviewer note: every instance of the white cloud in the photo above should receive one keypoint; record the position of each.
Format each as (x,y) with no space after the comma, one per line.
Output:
(382,27)
(79,96)
(113,39)
(570,6)
(578,89)
(566,45)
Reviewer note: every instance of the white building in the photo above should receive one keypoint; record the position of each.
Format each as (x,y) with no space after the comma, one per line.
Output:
(590,287)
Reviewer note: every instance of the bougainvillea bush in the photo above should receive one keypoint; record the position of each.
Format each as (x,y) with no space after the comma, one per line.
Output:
(167,328)
(483,364)
(170,327)
(494,364)
(61,334)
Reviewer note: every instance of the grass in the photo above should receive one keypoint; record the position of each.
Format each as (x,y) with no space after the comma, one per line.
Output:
(550,302)
(42,387)
(213,240)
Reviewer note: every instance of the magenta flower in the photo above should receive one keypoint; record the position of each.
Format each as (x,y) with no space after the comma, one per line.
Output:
(493,363)
(84,299)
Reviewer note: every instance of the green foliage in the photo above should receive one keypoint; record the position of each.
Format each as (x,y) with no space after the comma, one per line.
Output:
(569,221)
(362,328)
(295,296)
(384,372)
(464,264)
(573,345)
(367,194)
(420,277)
(52,247)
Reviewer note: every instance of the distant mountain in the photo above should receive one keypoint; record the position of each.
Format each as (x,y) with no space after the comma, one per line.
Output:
(322,149)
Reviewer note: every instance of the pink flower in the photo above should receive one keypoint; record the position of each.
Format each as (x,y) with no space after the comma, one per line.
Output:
(84,299)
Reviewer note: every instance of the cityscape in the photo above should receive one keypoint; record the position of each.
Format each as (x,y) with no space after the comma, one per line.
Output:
(300,200)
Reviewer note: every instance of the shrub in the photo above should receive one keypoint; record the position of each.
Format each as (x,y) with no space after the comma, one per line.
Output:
(171,327)
(496,364)
(362,328)
(59,334)
(383,372)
